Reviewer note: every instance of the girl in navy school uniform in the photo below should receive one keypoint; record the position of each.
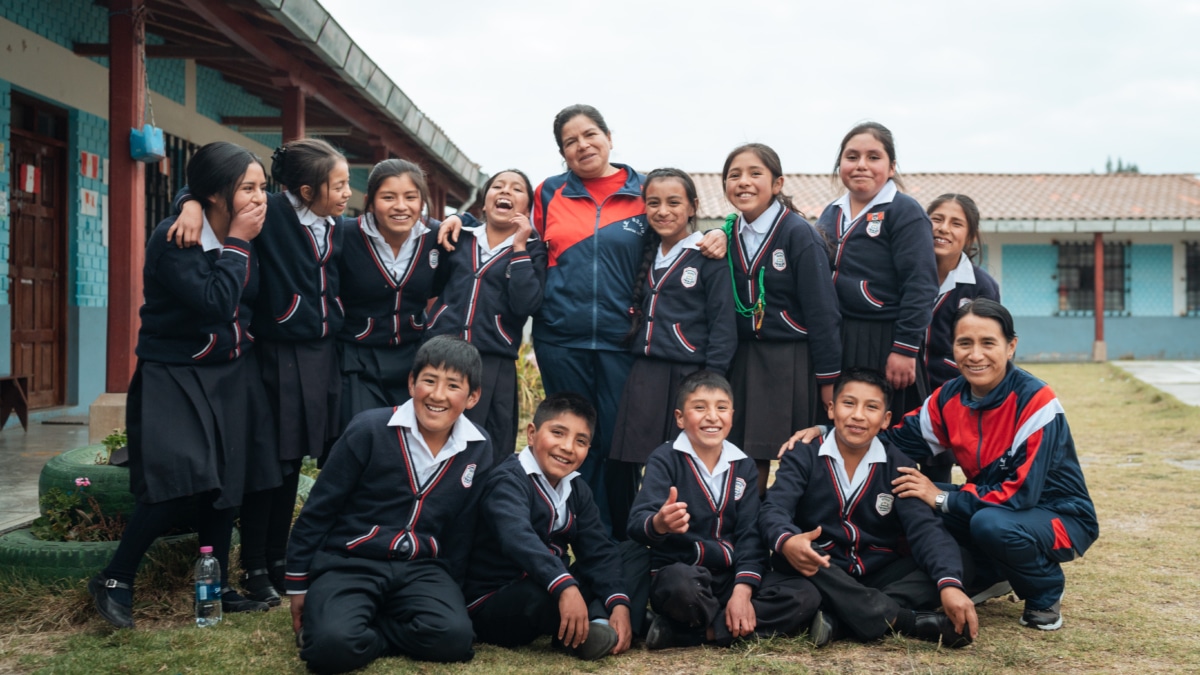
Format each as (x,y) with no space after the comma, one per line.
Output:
(298,312)
(789,347)
(682,321)
(956,244)
(488,287)
(883,265)
(193,445)
(388,264)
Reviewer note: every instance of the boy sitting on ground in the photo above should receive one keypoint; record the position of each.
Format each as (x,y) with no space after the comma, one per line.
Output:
(698,512)
(375,557)
(831,517)
(520,580)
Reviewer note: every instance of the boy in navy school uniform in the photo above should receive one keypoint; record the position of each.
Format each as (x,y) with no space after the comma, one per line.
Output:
(698,512)
(831,517)
(376,557)
(519,582)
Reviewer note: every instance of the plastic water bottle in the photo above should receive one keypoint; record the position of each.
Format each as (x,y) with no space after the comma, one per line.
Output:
(208,589)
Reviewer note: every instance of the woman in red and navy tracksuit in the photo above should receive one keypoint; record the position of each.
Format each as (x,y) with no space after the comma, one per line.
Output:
(883,265)
(487,288)
(388,263)
(1025,508)
(194,446)
(683,322)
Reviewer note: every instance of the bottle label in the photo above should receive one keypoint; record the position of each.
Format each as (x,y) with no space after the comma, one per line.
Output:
(206,591)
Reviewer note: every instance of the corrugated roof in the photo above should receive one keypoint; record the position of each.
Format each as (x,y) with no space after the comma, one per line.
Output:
(1044,196)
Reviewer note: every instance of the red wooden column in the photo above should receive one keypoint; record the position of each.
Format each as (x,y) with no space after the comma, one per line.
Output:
(1099,348)
(293,113)
(126,188)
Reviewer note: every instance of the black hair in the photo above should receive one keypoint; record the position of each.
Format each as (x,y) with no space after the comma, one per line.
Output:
(528,185)
(452,353)
(868,376)
(650,243)
(989,309)
(971,211)
(565,402)
(305,162)
(701,379)
(389,168)
(770,159)
(879,133)
(571,112)
(216,170)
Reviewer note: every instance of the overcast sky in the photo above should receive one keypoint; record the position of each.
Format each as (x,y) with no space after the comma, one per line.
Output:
(1018,86)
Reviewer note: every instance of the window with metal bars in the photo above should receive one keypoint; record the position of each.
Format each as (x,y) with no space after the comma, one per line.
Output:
(1077,279)
(166,178)
(1192,277)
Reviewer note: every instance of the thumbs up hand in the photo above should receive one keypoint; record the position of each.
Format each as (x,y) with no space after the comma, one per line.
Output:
(673,517)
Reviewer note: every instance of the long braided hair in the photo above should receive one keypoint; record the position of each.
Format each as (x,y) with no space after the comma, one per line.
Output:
(650,244)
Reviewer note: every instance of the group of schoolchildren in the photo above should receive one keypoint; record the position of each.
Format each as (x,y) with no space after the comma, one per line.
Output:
(391,359)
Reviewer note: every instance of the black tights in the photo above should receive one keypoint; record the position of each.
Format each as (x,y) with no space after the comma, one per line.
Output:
(151,521)
(266,521)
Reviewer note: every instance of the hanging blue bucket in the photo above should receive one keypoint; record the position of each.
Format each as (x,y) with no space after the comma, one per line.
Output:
(147,144)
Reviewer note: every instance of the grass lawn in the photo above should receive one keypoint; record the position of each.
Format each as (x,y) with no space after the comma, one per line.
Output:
(1132,604)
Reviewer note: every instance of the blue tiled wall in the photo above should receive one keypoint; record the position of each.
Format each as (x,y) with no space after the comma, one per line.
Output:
(1151,280)
(216,97)
(1030,288)
(358,179)
(87,258)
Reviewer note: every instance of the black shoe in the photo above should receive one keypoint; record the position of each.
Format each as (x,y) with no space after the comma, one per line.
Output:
(936,627)
(665,633)
(823,628)
(1043,619)
(232,602)
(258,586)
(116,613)
(600,641)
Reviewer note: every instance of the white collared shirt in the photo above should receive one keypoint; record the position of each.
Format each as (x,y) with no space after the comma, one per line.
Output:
(558,495)
(315,224)
(424,462)
(486,253)
(964,273)
(714,479)
(208,238)
(847,484)
(886,194)
(395,263)
(753,233)
(662,260)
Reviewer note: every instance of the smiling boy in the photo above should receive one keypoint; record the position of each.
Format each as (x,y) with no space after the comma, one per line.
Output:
(832,518)
(375,558)
(698,512)
(520,582)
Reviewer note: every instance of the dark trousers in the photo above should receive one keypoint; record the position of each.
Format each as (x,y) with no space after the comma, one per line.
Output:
(868,605)
(1024,547)
(522,611)
(695,598)
(598,375)
(358,610)
(496,410)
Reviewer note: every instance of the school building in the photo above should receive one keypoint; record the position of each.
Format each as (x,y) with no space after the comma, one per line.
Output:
(75,208)
(1045,236)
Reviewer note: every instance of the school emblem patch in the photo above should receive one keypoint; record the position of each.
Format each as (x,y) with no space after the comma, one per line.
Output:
(874,223)
(964,302)
(433,258)
(779,260)
(468,476)
(739,488)
(883,503)
(688,278)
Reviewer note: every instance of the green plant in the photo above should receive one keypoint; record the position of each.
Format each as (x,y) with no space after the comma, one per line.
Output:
(75,516)
(529,386)
(112,442)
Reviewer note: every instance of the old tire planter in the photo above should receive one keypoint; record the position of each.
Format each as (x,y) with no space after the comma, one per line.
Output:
(109,484)
(26,556)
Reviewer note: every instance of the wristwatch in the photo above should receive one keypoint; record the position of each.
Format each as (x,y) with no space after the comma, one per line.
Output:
(939,502)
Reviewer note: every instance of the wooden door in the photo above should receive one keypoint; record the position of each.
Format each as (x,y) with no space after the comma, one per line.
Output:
(36,263)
